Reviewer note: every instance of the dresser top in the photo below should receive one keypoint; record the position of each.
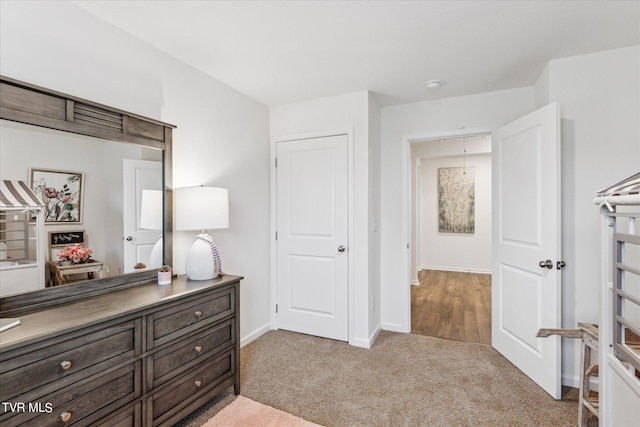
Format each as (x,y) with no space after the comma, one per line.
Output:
(101,308)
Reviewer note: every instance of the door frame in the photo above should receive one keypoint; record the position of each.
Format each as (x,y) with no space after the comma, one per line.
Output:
(273,254)
(407,206)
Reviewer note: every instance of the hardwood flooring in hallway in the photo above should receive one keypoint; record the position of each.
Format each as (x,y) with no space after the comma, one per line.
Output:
(452,305)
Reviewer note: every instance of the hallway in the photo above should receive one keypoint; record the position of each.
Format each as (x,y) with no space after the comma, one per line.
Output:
(452,305)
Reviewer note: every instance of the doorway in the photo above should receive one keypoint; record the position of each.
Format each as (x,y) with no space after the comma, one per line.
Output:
(451,256)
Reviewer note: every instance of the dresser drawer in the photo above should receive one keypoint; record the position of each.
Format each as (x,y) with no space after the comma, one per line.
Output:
(84,403)
(173,360)
(95,352)
(197,381)
(128,417)
(172,322)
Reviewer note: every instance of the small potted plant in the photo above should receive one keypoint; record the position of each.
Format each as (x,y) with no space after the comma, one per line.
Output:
(164,275)
(140,266)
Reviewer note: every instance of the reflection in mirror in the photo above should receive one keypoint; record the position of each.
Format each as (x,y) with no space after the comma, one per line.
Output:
(114,176)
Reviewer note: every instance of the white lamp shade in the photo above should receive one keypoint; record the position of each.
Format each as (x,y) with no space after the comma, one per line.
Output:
(201,208)
(151,210)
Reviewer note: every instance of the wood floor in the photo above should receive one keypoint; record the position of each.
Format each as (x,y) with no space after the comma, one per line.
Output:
(452,305)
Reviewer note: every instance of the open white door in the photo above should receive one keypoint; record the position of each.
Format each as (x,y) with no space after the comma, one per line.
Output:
(526,245)
(312,264)
(138,242)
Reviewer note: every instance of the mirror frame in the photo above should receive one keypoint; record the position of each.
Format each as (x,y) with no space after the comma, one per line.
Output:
(34,105)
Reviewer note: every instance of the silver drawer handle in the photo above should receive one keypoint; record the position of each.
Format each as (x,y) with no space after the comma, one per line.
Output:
(65,364)
(198,314)
(198,348)
(198,383)
(65,416)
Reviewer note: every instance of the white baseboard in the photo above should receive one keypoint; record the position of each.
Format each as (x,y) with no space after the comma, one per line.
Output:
(575,382)
(456,269)
(366,343)
(255,335)
(393,327)
(415,282)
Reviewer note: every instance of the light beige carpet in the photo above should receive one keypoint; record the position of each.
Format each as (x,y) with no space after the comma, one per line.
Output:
(244,412)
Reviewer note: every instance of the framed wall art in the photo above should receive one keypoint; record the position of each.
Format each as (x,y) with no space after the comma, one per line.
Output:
(456,200)
(61,193)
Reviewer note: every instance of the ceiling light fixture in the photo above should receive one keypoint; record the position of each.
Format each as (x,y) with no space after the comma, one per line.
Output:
(433,85)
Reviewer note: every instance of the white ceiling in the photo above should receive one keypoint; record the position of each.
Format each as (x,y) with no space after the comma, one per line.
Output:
(279,52)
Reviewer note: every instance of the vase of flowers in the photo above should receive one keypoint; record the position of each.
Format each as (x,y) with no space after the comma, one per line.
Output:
(164,275)
(76,254)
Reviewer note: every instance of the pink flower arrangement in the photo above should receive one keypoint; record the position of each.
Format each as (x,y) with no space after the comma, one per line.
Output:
(77,254)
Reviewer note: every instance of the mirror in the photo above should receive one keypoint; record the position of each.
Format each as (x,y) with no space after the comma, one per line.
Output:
(114,175)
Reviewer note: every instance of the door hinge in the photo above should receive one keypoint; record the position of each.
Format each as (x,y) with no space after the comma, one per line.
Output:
(276,162)
(276,308)
(276,235)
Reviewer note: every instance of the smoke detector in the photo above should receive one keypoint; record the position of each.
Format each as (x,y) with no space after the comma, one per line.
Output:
(433,85)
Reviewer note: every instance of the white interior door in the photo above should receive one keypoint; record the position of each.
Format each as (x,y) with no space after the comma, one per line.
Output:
(526,232)
(312,231)
(138,242)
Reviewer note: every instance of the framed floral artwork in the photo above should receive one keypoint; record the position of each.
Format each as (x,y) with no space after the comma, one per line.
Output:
(61,193)
(456,200)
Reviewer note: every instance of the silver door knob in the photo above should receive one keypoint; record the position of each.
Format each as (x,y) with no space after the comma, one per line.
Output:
(129,238)
(546,264)
(341,248)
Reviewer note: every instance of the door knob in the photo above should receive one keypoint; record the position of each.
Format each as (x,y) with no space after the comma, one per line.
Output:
(341,248)
(546,264)
(129,238)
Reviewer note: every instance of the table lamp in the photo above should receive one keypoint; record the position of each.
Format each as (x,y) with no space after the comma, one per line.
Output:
(202,208)
(151,219)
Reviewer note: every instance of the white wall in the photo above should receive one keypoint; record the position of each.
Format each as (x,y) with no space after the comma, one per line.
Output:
(222,136)
(374,216)
(599,98)
(345,113)
(402,124)
(455,251)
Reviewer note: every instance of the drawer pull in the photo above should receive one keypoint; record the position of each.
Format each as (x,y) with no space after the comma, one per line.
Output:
(198,383)
(198,348)
(65,416)
(198,314)
(65,364)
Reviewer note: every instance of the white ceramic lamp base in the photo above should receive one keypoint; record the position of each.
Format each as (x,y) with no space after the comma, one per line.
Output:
(203,259)
(155,259)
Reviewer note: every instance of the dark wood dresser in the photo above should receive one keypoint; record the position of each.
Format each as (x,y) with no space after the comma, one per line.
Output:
(146,355)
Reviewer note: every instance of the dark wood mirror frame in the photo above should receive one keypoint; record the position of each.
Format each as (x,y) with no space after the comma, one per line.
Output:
(34,105)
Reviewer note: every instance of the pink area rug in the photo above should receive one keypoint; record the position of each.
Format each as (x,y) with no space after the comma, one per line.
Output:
(244,412)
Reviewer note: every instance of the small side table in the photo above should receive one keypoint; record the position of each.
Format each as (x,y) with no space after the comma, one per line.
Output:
(588,332)
(59,274)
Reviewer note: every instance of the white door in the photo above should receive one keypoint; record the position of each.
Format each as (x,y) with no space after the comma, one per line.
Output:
(138,242)
(526,232)
(312,265)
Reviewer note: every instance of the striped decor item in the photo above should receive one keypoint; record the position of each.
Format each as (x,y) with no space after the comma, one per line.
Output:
(17,194)
(625,192)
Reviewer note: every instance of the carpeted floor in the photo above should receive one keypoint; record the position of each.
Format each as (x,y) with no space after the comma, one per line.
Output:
(403,380)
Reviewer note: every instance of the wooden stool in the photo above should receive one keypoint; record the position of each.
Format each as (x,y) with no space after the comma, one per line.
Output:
(588,332)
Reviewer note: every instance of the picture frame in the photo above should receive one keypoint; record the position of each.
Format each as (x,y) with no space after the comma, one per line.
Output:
(59,240)
(61,192)
(456,200)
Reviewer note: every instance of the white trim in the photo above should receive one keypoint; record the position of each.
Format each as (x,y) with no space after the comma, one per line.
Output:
(456,269)
(394,327)
(362,343)
(255,335)
(405,291)
(273,278)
